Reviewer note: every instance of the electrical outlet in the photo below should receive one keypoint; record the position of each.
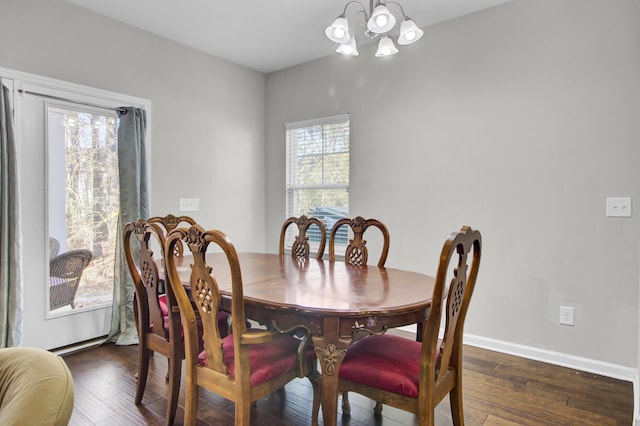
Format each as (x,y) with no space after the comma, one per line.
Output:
(566,315)
(189,204)
(619,207)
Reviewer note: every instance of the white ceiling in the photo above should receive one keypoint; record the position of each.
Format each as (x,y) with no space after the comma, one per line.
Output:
(259,34)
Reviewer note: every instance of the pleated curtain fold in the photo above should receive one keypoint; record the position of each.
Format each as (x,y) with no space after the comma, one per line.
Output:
(11,282)
(134,204)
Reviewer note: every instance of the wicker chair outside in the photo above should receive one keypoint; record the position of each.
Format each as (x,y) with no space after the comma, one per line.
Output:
(54,247)
(65,271)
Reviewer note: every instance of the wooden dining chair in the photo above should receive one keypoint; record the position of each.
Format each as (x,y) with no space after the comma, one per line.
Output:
(300,247)
(357,252)
(157,319)
(416,376)
(171,222)
(249,363)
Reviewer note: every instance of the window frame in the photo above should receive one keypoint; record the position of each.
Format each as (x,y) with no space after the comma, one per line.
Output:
(292,172)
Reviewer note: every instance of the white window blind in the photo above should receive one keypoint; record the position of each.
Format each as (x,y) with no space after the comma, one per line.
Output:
(317,178)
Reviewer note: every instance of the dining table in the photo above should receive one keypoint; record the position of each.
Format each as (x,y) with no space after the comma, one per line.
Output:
(336,301)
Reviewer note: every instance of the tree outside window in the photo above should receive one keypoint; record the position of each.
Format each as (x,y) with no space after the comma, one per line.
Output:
(318,172)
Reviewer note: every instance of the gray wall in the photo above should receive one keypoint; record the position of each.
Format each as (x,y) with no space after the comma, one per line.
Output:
(207,115)
(519,121)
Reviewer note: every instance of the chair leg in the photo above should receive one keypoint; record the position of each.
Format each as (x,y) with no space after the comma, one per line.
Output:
(143,371)
(346,407)
(243,413)
(167,376)
(192,393)
(175,373)
(377,410)
(455,398)
(315,380)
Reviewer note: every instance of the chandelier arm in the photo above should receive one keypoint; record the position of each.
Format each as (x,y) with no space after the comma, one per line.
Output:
(366,17)
(397,4)
(344,12)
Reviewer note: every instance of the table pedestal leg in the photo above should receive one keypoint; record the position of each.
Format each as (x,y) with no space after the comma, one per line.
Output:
(330,350)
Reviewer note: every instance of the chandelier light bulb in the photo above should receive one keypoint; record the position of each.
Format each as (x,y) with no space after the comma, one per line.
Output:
(349,48)
(338,31)
(386,47)
(409,32)
(411,35)
(381,20)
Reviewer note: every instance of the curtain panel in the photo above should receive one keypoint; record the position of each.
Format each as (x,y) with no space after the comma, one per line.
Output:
(11,285)
(134,204)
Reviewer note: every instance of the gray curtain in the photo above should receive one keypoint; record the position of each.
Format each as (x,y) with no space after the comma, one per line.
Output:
(134,204)
(11,290)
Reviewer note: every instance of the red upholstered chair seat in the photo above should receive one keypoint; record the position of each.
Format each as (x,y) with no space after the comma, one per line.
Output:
(266,360)
(162,301)
(385,362)
(222,319)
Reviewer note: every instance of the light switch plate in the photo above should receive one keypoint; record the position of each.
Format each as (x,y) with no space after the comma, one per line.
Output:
(619,207)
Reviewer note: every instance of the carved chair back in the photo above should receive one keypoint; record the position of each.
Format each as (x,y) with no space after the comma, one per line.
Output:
(300,248)
(357,252)
(171,222)
(456,278)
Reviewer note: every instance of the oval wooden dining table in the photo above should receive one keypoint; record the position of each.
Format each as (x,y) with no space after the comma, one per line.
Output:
(334,300)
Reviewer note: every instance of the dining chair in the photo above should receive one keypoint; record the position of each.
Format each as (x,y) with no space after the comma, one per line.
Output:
(300,247)
(357,252)
(415,376)
(65,273)
(157,319)
(249,363)
(171,222)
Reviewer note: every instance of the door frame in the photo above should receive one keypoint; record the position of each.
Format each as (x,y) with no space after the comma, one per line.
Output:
(41,329)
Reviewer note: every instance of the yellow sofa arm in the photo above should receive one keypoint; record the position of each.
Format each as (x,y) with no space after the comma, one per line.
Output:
(36,388)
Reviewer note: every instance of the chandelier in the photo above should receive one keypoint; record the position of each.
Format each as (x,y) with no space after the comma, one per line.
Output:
(377,21)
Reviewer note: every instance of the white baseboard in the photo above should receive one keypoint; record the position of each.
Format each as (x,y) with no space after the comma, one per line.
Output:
(79,346)
(601,368)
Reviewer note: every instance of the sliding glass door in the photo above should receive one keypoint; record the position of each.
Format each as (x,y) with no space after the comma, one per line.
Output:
(83,196)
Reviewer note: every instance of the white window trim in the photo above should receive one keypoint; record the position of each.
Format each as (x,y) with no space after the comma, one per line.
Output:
(289,186)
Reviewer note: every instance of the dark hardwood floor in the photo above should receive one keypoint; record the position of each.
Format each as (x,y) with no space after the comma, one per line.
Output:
(499,390)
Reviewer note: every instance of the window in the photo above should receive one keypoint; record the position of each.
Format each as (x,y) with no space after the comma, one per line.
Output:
(84,194)
(318,172)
